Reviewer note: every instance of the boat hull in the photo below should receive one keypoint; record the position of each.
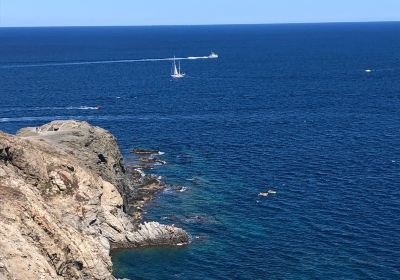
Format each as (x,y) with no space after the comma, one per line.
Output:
(178,76)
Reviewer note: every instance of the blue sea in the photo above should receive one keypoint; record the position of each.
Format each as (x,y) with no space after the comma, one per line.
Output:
(288,108)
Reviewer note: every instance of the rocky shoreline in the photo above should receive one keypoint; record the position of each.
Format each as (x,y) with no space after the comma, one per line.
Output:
(67,199)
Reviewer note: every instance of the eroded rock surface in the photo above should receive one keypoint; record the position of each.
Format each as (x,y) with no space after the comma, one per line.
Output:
(63,195)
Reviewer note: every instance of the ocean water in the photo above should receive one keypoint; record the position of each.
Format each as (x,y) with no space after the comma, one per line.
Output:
(285,107)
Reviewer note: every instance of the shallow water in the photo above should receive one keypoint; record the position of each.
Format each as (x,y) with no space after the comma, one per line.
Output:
(285,107)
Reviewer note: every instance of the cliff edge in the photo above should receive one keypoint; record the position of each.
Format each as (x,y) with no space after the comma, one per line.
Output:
(64,191)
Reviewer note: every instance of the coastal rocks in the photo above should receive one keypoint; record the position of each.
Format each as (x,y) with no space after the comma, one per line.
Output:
(147,186)
(145,152)
(146,159)
(151,160)
(155,234)
(95,148)
(64,192)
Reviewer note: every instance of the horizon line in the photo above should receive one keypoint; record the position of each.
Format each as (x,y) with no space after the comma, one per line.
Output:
(211,24)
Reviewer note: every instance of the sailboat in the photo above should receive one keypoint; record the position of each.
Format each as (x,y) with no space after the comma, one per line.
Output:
(176,71)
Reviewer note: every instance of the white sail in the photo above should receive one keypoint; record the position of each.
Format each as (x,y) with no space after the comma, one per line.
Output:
(176,71)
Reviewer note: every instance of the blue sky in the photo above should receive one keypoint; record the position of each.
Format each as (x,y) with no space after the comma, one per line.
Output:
(171,12)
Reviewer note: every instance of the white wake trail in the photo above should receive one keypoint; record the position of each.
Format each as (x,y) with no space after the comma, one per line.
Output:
(50,64)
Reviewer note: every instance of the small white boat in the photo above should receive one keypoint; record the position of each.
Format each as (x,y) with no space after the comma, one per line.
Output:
(213,55)
(176,71)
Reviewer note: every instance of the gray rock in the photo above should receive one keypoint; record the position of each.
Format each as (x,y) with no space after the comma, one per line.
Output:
(63,196)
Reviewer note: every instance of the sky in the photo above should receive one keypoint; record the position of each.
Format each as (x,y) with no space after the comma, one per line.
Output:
(191,12)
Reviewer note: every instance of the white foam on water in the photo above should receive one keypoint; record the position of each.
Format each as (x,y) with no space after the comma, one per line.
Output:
(29,119)
(50,64)
(83,108)
(167,190)
(50,108)
(183,189)
(197,57)
(382,70)
(140,171)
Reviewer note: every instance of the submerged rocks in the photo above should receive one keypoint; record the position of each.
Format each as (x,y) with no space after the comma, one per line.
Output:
(145,152)
(147,187)
(64,195)
(151,160)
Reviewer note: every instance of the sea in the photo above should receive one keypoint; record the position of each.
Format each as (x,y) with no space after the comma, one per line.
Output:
(309,111)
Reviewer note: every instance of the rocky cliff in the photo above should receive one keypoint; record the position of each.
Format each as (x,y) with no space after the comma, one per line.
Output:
(64,191)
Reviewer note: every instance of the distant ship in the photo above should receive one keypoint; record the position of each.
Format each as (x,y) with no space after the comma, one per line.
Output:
(176,71)
(213,55)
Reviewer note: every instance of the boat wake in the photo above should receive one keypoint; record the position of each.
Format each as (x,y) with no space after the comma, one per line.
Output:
(381,70)
(49,108)
(72,63)
(84,108)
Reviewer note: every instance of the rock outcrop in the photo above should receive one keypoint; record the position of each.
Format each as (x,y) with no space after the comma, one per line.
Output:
(64,192)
